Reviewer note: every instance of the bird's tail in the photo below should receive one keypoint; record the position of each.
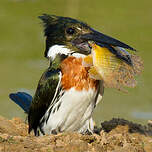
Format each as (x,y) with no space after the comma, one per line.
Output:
(22,99)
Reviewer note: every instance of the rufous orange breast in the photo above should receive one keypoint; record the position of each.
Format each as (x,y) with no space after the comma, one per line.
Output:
(75,75)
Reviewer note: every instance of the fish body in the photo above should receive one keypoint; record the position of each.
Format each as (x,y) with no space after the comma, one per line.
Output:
(115,72)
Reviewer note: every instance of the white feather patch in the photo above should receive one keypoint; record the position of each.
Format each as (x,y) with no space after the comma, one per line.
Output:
(56,49)
(61,49)
(76,108)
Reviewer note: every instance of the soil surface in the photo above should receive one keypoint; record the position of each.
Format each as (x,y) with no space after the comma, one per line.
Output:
(116,135)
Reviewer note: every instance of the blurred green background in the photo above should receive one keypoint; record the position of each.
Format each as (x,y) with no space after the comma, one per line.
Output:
(22,47)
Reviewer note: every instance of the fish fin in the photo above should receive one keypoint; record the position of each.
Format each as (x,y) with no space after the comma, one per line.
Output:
(87,61)
(94,74)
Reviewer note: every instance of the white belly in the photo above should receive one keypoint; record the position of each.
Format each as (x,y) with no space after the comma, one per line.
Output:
(75,110)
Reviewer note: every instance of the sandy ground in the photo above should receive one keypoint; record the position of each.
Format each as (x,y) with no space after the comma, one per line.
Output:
(116,135)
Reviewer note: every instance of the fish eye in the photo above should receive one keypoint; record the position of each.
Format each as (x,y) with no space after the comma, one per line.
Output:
(70,31)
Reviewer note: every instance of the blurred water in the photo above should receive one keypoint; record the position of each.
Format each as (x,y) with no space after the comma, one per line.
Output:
(142,115)
(22,47)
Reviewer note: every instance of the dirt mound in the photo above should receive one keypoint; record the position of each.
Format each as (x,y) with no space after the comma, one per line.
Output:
(116,135)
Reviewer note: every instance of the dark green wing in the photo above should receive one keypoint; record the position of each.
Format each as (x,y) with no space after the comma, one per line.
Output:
(45,92)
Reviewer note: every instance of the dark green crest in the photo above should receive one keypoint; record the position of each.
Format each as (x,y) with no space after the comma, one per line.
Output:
(62,30)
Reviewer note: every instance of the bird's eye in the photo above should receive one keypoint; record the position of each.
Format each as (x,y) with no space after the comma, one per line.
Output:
(70,31)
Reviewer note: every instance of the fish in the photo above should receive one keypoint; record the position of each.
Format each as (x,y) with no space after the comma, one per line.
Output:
(112,70)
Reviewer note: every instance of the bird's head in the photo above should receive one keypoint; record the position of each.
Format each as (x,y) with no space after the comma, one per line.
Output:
(69,36)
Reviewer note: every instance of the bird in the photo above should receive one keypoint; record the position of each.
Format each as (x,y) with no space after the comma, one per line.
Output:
(66,96)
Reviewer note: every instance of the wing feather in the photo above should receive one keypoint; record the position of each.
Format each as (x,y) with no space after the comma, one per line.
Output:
(45,93)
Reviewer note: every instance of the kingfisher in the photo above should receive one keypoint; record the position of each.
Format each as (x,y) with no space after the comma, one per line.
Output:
(66,96)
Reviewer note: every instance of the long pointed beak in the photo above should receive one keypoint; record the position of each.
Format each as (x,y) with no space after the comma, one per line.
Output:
(103,40)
